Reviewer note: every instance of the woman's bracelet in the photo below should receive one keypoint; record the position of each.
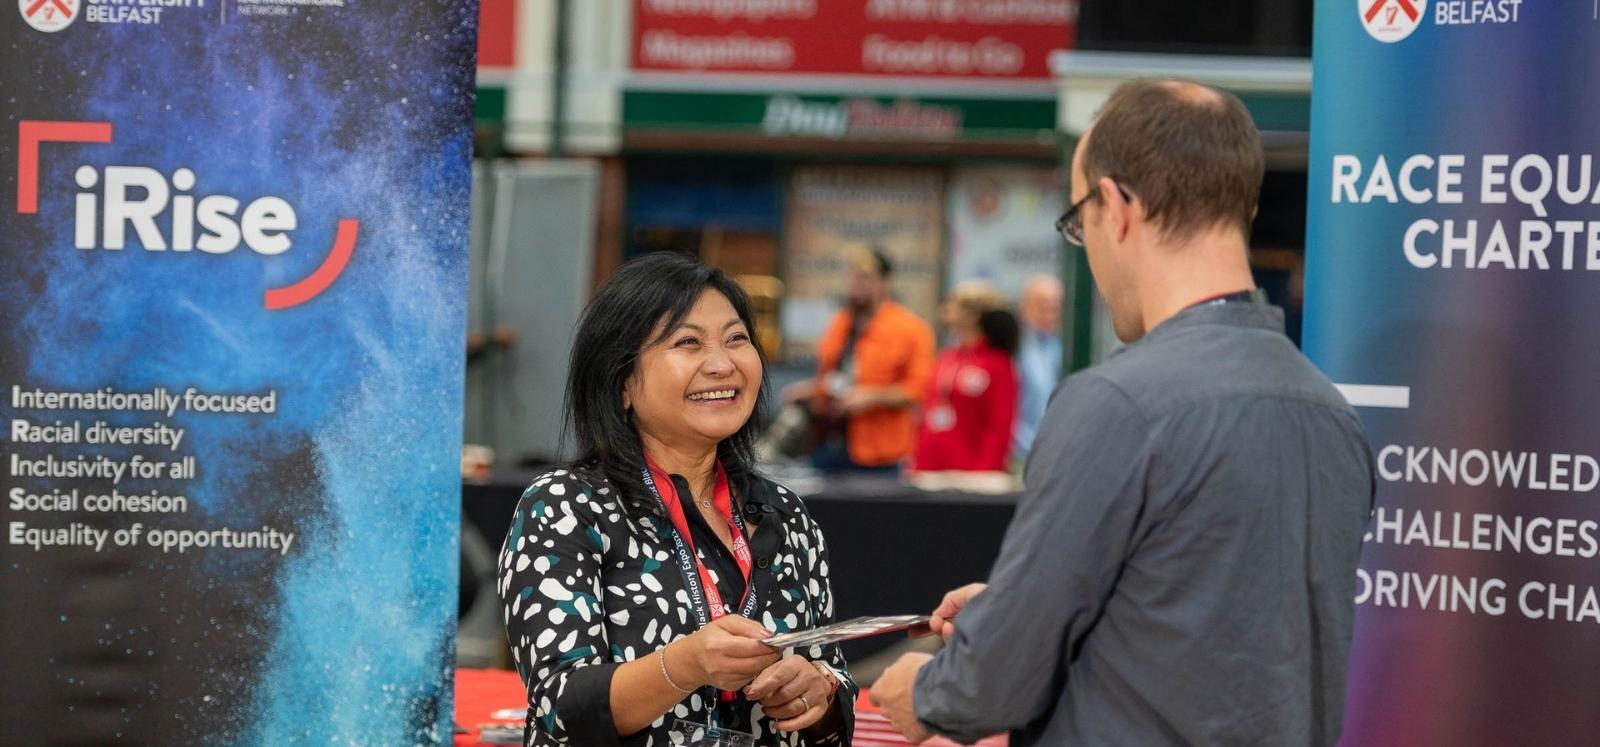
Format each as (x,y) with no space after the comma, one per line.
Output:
(829,677)
(661,658)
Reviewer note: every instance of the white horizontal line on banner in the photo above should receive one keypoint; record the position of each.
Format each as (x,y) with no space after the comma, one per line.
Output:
(1367,395)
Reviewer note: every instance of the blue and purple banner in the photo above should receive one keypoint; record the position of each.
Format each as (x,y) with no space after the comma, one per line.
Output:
(232,301)
(1453,280)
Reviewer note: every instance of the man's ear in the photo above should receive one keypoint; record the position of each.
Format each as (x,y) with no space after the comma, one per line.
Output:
(1120,211)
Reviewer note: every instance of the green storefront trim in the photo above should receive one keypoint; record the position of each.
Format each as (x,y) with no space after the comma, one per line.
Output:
(490,107)
(1023,120)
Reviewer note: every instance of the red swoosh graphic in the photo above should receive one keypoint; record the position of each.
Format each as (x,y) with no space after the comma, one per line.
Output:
(344,244)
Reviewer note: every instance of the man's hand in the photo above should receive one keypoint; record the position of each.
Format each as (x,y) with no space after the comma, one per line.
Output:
(857,400)
(944,617)
(892,694)
(799,391)
(862,398)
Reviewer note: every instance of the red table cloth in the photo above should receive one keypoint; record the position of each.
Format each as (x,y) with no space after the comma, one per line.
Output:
(481,692)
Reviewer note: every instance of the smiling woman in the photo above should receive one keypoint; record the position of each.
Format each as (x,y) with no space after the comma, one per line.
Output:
(696,384)
(640,581)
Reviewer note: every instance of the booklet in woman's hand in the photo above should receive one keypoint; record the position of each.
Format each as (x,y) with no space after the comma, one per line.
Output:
(860,627)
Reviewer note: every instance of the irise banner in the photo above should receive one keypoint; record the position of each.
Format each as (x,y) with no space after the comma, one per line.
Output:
(1453,271)
(232,297)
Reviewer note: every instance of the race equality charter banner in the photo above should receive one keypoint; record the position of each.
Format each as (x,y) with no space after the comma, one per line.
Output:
(1453,278)
(233,249)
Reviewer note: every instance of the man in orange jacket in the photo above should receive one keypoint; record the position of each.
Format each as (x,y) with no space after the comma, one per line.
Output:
(875,359)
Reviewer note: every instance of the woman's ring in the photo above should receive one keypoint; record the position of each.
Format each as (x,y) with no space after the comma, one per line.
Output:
(805,703)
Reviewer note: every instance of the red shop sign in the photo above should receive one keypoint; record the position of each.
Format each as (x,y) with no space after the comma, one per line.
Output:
(984,39)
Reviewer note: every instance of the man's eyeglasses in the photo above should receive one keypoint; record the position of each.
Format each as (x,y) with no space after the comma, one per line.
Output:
(1070,224)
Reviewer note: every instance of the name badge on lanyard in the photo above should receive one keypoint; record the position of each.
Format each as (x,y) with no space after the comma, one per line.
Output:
(704,597)
(941,416)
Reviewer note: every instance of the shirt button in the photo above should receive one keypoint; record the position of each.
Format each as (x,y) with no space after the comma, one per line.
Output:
(763,561)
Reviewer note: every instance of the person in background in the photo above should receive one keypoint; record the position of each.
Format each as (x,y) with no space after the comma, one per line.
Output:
(1181,567)
(971,400)
(874,360)
(1039,358)
(639,582)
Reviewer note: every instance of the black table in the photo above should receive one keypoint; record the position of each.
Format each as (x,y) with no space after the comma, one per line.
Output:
(894,549)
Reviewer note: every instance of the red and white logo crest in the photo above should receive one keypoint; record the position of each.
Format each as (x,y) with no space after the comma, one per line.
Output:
(49,15)
(1390,21)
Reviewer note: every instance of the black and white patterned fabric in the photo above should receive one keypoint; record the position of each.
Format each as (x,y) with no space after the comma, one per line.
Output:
(588,581)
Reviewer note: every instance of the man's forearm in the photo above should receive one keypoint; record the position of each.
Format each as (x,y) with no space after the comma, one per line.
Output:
(948,710)
(892,396)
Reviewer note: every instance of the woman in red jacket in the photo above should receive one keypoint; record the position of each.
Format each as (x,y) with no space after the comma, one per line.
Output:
(970,403)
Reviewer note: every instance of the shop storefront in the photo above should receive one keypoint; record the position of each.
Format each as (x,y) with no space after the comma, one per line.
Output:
(772,186)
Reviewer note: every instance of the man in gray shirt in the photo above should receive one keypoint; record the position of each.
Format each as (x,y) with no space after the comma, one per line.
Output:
(1182,565)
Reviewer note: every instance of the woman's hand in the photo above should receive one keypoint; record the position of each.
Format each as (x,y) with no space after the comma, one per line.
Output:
(793,693)
(727,653)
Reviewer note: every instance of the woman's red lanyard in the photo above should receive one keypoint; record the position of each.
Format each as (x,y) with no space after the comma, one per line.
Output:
(703,594)
(941,416)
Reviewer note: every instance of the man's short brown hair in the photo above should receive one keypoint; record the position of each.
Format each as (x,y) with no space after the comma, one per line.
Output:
(1191,153)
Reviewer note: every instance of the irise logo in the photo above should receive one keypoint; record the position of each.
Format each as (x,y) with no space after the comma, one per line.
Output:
(211,224)
(263,226)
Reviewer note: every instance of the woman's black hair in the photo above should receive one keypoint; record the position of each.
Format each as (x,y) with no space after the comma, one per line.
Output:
(1000,330)
(620,322)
